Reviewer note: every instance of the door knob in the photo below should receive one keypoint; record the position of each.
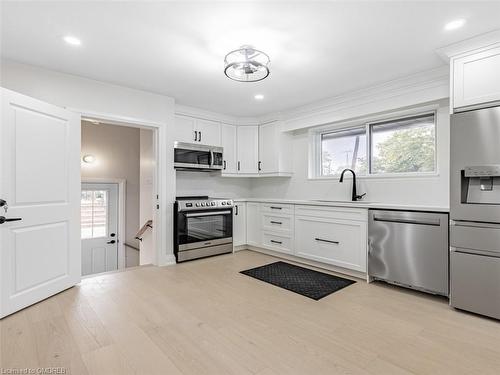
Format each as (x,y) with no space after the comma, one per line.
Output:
(111,242)
(3,219)
(4,204)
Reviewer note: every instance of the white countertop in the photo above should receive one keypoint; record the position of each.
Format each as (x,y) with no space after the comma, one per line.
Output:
(360,204)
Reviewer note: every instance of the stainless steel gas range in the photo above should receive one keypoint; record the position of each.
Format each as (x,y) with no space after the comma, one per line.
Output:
(203,227)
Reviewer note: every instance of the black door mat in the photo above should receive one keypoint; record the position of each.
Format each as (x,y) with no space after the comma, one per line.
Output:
(304,281)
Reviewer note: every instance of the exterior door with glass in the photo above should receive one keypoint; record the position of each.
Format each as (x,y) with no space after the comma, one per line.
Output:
(99,213)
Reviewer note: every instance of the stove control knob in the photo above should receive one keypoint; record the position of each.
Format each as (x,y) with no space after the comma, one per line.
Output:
(197,205)
(223,203)
(212,203)
(202,204)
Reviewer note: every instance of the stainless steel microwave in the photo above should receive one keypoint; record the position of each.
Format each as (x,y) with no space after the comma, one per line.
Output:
(190,156)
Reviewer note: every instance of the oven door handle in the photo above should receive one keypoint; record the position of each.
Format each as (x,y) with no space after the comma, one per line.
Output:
(211,213)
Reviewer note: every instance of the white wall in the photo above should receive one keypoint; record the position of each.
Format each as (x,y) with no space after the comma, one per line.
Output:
(109,101)
(116,149)
(431,191)
(147,161)
(106,99)
(207,183)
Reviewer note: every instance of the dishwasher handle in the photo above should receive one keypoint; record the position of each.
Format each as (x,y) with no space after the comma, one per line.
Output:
(395,219)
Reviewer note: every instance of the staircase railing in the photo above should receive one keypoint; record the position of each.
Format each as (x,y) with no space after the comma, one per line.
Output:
(147,225)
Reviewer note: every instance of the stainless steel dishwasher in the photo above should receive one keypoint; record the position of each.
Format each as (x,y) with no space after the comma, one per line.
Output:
(409,249)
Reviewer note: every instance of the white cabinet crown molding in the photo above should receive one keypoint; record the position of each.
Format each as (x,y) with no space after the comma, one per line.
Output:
(471,45)
(423,87)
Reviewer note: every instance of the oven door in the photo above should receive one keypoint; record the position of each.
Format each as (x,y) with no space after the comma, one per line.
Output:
(188,155)
(197,229)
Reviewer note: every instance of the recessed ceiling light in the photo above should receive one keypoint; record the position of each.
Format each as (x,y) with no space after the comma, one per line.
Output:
(74,41)
(259,97)
(455,24)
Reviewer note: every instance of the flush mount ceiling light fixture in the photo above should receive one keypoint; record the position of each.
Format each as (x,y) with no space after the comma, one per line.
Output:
(89,159)
(246,64)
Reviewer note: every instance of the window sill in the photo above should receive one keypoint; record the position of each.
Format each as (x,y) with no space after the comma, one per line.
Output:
(399,176)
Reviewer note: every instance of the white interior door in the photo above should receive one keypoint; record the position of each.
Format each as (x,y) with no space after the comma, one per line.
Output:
(99,222)
(40,254)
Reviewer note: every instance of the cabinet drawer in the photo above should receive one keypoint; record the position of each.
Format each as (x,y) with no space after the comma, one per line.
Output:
(342,243)
(475,283)
(281,223)
(484,237)
(277,242)
(277,208)
(342,213)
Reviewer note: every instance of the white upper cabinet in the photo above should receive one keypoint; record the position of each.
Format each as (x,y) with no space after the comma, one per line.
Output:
(184,129)
(228,142)
(247,149)
(476,79)
(192,130)
(274,150)
(208,132)
(268,150)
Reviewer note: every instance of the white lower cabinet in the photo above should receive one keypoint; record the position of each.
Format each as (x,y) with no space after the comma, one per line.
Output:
(332,235)
(239,224)
(277,242)
(338,242)
(254,226)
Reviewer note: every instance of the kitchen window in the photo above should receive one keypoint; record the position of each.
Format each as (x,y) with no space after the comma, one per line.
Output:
(395,147)
(343,149)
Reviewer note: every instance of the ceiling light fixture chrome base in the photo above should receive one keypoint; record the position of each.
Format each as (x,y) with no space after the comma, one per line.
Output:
(246,64)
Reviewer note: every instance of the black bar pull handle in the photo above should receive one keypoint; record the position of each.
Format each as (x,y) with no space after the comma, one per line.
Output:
(278,242)
(238,165)
(276,222)
(329,241)
(200,137)
(259,166)
(224,165)
(196,135)
(3,219)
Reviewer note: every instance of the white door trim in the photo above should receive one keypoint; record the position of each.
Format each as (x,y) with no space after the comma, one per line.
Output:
(122,211)
(162,223)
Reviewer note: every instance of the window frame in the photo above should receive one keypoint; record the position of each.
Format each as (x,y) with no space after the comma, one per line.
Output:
(315,146)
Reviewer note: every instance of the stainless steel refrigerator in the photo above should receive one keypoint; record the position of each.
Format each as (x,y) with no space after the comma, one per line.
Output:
(475,211)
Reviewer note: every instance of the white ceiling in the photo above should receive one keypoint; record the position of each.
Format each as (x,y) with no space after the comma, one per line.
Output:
(317,49)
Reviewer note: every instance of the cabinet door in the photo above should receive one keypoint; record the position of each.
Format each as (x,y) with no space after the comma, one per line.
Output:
(248,149)
(476,80)
(208,132)
(341,243)
(228,142)
(254,226)
(184,129)
(239,224)
(268,148)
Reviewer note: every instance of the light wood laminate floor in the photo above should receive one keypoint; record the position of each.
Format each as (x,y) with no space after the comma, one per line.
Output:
(203,317)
